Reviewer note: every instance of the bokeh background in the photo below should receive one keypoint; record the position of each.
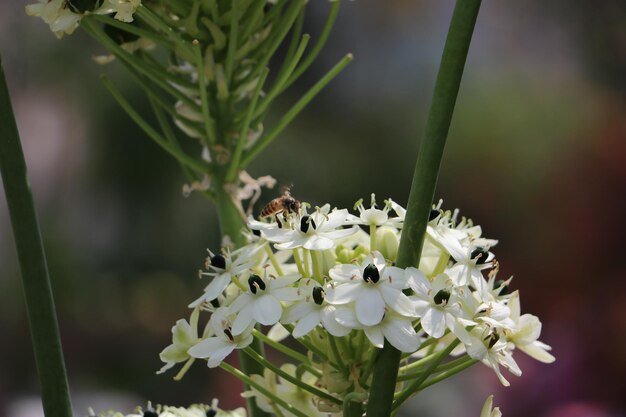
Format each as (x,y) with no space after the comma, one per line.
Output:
(536,154)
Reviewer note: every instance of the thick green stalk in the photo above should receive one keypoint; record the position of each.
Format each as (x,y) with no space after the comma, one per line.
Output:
(42,318)
(425,180)
(232,225)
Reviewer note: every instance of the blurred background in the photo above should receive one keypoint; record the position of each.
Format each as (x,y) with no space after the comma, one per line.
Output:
(536,155)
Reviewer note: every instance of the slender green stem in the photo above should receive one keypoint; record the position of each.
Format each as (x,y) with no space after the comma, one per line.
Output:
(232,41)
(298,261)
(206,115)
(447,374)
(280,347)
(353,404)
(317,270)
(369,366)
(337,355)
(243,132)
(133,29)
(406,376)
(425,180)
(319,45)
(169,134)
(285,375)
(417,382)
(273,261)
(267,393)
(306,263)
(154,135)
(155,75)
(264,141)
(279,84)
(42,317)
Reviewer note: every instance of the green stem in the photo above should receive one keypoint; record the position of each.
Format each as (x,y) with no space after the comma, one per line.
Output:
(337,355)
(154,135)
(206,115)
(231,225)
(232,41)
(267,393)
(353,404)
(285,375)
(417,382)
(280,347)
(42,317)
(425,180)
(447,374)
(264,141)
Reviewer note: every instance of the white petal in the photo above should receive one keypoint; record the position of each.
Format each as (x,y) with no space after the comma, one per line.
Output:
(344,293)
(296,312)
(243,320)
(220,354)
(397,301)
(331,324)
(401,335)
(317,242)
(307,324)
(345,273)
(538,351)
(216,286)
(267,310)
(369,307)
(375,335)
(434,323)
(340,233)
(206,348)
(347,317)
(278,333)
(396,277)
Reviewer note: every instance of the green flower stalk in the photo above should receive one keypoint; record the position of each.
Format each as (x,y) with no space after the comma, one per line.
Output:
(425,180)
(37,290)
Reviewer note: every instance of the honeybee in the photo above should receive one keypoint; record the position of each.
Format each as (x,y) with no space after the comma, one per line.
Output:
(284,203)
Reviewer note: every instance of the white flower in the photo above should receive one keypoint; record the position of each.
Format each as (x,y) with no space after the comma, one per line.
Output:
(219,346)
(398,330)
(492,350)
(317,231)
(373,287)
(123,9)
(372,216)
(63,18)
(262,302)
(526,333)
(436,303)
(195,410)
(57,14)
(184,336)
(487,410)
(222,268)
(312,310)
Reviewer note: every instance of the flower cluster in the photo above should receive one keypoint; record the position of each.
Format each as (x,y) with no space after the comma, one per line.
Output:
(196,410)
(63,16)
(329,278)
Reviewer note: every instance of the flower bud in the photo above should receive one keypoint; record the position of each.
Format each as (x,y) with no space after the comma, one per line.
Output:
(387,242)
